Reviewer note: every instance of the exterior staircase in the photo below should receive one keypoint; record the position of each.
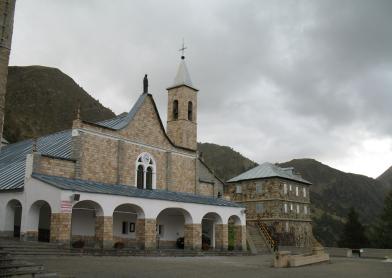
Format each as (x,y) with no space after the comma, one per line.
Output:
(26,249)
(11,267)
(259,238)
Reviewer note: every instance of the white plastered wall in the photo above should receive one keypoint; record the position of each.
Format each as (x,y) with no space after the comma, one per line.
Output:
(36,190)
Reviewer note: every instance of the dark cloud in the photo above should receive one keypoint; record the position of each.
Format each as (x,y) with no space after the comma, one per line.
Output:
(277,79)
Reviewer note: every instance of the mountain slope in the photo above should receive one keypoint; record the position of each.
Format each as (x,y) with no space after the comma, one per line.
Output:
(386,177)
(42,100)
(337,191)
(225,161)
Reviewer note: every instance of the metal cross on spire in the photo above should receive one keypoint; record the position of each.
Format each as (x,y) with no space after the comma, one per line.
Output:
(182,49)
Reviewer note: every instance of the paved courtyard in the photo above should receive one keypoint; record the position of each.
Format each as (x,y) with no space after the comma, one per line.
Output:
(252,266)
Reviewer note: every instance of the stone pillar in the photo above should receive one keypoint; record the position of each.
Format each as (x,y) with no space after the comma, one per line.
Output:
(141,234)
(221,236)
(60,228)
(192,236)
(104,232)
(240,237)
(7,9)
(150,234)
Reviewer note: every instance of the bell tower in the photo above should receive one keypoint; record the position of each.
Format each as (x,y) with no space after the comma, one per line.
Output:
(182,109)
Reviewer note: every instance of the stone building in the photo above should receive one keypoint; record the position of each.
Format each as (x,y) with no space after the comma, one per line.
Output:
(279,197)
(124,180)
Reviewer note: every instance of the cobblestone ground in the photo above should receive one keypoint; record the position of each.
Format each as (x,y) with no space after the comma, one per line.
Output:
(211,267)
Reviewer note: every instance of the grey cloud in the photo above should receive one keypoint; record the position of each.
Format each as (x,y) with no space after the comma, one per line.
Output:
(277,79)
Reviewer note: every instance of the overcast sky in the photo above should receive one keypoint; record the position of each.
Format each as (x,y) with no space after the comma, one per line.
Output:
(278,79)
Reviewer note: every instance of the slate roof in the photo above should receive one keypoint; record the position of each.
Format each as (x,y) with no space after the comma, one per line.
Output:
(269,170)
(13,157)
(130,191)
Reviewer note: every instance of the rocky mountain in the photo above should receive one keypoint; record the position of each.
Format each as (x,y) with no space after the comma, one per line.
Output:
(42,100)
(386,177)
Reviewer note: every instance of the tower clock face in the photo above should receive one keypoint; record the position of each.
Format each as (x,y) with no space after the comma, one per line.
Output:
(146,158)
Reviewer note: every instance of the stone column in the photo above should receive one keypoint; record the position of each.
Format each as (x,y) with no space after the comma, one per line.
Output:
(240,237)
(60,228)
(192,236)
(7,9)
(150,234)
(221,236)
(104,232)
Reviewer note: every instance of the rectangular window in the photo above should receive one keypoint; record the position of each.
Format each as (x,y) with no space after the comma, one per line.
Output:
(238,189)
(296,191)
(125,227)
(305,210)
(259,207)
(290,187)
(304,189)
(287,227)
(160,230)
(298,209)
(285,188)
(131,227)
(259,188)
(285,208)
(291,207)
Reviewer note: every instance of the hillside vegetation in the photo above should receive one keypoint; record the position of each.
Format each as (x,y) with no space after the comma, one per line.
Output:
(42,100)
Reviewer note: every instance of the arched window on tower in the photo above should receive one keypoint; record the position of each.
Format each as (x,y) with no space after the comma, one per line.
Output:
(145,171)
(190,111)
(175,110)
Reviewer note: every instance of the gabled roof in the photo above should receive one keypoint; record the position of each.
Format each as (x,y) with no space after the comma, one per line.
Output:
(269,170)
(130,191)
(124,119)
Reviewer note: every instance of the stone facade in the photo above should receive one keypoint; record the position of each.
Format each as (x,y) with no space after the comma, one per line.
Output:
(109,156)
(284,205)
(181,130)
(7,9)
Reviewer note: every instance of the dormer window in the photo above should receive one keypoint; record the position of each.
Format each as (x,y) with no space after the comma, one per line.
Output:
(145,172)
(190,111)
(175,110)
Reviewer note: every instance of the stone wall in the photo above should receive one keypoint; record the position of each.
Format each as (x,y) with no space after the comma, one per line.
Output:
(54,166)
(206,189)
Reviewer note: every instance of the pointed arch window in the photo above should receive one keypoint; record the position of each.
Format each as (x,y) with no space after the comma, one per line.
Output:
(145,172)
(190,111)
(175,109)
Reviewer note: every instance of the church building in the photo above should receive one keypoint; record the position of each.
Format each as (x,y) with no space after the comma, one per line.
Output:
(125,181)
